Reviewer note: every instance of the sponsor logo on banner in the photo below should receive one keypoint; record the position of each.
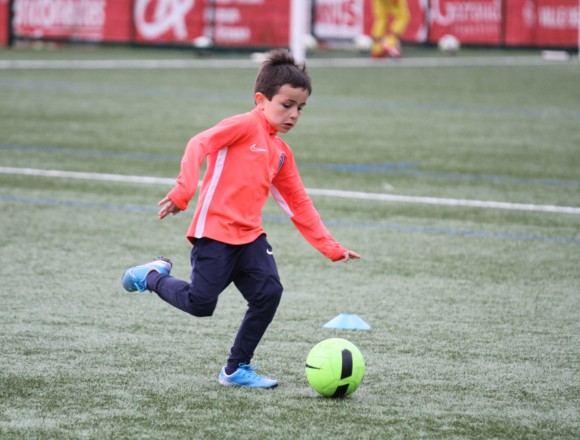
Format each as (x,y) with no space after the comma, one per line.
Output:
(227,24)
(544,23)
(217,22)
(551,16)
(340,19)
(250,23)
(466,11)
(83,19)
(558,16)
(154,18)
(475,21)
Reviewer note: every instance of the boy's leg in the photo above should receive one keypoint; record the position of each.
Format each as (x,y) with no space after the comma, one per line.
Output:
(214,266)
(135,278)
(259,283)
(211,273)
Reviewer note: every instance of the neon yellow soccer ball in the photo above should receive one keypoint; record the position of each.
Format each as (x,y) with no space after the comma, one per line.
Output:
(335,367)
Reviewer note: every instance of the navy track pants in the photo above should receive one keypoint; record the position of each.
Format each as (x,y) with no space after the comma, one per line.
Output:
(214,266)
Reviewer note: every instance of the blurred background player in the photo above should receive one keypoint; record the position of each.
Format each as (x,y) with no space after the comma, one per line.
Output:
(390,19)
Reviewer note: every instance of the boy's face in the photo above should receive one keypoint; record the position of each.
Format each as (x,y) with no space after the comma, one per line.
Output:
(283,111)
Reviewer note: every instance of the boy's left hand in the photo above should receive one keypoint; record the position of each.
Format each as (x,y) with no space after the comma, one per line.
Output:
(349,255)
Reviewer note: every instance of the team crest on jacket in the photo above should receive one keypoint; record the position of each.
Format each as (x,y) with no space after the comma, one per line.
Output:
(281,162)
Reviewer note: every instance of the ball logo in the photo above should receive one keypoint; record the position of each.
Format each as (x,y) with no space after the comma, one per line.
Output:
(167,15)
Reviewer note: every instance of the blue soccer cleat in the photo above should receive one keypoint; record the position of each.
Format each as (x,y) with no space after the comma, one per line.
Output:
(136,277)
(246,376)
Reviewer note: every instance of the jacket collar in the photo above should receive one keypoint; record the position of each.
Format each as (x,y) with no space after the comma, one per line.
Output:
(264,122)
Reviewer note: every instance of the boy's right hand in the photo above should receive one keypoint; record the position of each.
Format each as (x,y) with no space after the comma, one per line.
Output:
(167,207)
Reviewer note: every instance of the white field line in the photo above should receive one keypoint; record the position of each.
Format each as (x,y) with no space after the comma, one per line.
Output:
(88,176)
(312,191)
(443,201)
(248,63)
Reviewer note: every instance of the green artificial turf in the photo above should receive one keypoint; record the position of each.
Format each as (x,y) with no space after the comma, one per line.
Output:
(475,312)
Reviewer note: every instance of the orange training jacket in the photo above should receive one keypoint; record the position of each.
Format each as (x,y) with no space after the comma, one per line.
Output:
(246,161)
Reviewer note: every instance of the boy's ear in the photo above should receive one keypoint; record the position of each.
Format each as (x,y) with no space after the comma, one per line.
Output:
(259,98)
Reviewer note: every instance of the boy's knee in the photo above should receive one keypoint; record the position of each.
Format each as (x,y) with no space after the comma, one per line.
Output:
(272,292)
(201,313)
(277,293)
(202,310)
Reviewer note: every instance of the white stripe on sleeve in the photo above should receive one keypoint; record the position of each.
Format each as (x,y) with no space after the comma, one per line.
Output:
(278,197)
(219,166)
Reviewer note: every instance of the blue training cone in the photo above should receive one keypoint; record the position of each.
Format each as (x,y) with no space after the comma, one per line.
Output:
(347,321)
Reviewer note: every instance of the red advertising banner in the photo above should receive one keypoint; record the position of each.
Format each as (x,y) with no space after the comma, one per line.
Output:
(417,29)
(233,23)
(84,20)
(173,21)
(118,26)
(347,19)
(266,23)
(339,19)
(545,23)
(470,21)
(4,25)
(253,23)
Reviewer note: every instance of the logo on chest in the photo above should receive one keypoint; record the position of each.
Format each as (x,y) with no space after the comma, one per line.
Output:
(257,149)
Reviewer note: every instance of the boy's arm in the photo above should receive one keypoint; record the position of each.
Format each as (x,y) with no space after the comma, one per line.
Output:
(288,190)
(200,146)
(187,180)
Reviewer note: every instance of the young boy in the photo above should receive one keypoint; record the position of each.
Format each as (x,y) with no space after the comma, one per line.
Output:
(246,161)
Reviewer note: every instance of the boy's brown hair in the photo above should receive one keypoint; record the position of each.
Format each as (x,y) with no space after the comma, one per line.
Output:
(279,69)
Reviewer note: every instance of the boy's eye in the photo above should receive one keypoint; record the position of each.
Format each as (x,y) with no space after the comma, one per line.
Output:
(289,106)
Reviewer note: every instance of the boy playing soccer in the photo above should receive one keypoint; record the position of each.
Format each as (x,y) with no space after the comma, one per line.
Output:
(246,161)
